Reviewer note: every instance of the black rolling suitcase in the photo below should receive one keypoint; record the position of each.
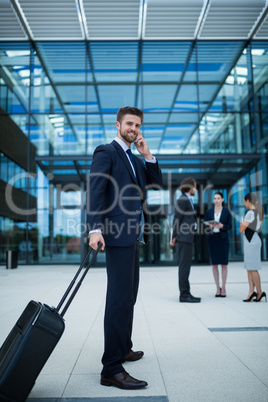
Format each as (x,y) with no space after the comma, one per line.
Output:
(32,340)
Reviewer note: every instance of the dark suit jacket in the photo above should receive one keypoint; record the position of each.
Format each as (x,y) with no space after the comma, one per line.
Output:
(225,219)
(114,199)
(184,220)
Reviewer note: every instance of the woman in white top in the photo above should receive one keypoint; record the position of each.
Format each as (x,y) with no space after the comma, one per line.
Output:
(250,226)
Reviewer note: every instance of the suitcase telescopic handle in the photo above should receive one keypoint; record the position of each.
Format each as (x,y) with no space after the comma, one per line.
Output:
(72,295)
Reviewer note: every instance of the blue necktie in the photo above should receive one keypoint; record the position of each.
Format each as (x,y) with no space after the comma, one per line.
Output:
(132,161)
(134,166)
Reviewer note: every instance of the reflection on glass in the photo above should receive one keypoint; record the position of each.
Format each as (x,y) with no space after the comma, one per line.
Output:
(236,93)
(216,59)
(226,133)
(57,132)
(14,77)
(260,73)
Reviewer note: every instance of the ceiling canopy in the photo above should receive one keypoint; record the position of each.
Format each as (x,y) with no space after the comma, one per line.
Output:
(133,19)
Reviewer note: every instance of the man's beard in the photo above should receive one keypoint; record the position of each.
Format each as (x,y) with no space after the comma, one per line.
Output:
(128,137)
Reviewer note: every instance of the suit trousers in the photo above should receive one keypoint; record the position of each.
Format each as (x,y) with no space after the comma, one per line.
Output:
(185,261)
(122,288)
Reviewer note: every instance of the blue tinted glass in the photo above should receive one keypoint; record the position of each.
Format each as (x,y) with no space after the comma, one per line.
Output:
(191,67)
(216,59)
(4,168)
(15,65)
(158,98)
(66,134)
(186,99)
(115,61)
(155,117)
(73,98)
(164,61)
(65,61)
(185,117)
(206,95)
(112,97)
(259,52)
(235,93)
(96,136)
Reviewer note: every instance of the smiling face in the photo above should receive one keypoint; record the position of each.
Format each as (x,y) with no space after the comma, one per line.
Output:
(129,128)
(218,200)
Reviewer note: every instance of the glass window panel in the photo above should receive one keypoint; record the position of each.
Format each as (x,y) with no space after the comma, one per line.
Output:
(96,137)
(206,95)
(15,79)
(56,132)
(247,128)
(236,93)
(43,96)
(158,197)
(4,168)
(115,61)
(112,97)
(216,59)
(94,119)
(65,61)
(259,52)
(193,146)
(164,61)
(191,72)
(231,132)
(110,132)
(186,99)
(158,97)
(11,170)
(109,118)
(17,182)
(70,198)
(150,118)
(73,98)
(176,137)
(92,101)
(180,131)
(183,117)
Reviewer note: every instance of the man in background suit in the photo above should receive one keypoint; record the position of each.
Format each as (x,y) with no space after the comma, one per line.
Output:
(184,228)
(116,194)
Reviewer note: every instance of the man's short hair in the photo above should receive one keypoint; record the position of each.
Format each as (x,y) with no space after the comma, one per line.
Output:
(187,184)
(129,110)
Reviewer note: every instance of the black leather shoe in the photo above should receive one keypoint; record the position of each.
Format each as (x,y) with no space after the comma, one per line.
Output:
(133,356)
(190,299)
(122,380)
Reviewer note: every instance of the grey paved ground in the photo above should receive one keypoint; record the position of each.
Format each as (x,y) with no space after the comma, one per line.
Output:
(213,351)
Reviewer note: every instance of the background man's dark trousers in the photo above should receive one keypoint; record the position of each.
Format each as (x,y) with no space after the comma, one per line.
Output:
(185,260)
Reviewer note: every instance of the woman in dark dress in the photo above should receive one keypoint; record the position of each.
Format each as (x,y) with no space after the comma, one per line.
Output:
(218,241)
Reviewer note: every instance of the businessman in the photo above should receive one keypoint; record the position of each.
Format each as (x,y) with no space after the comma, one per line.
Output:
(116,198)
(184,229)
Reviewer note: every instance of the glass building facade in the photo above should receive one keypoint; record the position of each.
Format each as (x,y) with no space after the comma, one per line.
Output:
(205,109)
